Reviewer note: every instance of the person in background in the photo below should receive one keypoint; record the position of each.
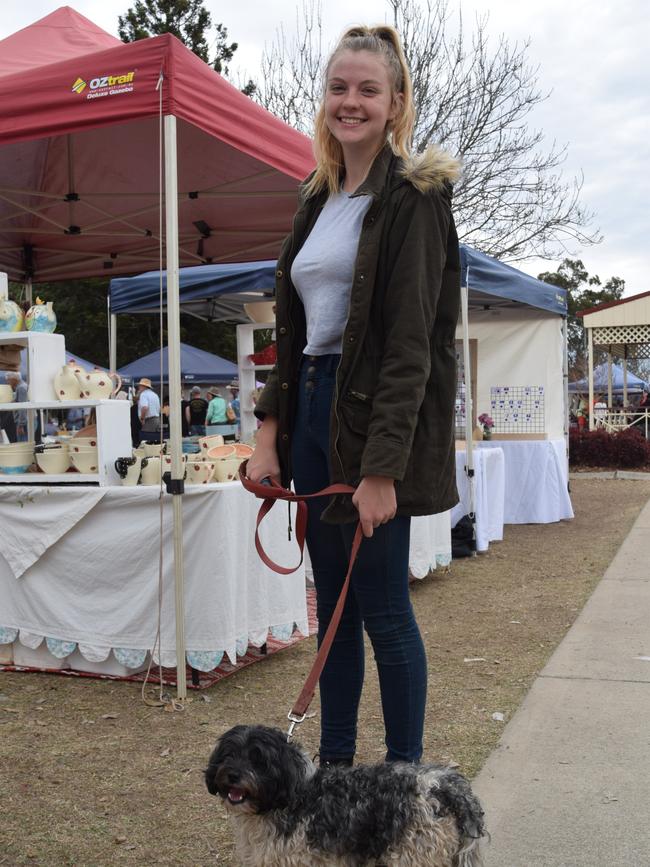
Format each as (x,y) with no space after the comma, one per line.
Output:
(234,403)
(136,426)
(216,413)
(51,427)
(20,396)
(195,413)
(148,407)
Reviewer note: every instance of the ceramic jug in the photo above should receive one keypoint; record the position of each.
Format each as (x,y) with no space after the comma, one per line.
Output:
(98,384)
(128,469)
(12,317)
(66,384)
(41,317)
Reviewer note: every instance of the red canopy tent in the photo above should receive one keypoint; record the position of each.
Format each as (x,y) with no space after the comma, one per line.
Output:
(84,120)
(79,155)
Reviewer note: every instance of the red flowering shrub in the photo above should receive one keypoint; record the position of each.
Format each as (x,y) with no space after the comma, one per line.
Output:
(631,447)
(598,448)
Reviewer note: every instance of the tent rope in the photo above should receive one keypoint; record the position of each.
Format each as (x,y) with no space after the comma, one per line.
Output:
(163,700)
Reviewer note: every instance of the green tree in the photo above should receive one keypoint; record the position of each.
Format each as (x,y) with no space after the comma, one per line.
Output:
(583,292)
(189,21)
(80,307)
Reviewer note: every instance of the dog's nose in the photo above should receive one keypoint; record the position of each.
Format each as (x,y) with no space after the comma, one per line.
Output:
(233,778)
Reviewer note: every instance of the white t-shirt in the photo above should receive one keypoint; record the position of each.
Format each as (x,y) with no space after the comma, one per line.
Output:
(323,271)
(151,401)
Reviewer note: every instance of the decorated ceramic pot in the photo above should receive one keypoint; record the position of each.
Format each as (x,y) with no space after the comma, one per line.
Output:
(98,384)
(66,384)
(41,317)
(12,317)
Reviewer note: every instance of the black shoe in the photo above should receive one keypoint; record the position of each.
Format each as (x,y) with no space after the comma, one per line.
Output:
(332,763)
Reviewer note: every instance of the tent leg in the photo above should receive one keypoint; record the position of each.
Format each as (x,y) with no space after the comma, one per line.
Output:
(590,363)
(565,389)
(173,331)
(609,380)
(112,341)
(469,410)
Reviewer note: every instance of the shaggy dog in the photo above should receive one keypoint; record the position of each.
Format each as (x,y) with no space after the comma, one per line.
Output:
(287,813)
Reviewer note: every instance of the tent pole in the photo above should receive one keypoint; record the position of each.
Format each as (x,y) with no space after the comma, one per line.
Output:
(112,349)
(625,377)
(565,389)
(469,410)
(609,379)
(590,363)
(174,379)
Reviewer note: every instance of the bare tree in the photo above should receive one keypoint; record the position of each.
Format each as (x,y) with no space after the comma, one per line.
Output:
(474,97)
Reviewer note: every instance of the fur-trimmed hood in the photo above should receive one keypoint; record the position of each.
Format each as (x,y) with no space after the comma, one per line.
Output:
(431,170)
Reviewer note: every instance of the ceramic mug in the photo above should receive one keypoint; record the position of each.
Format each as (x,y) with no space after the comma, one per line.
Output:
(133,472)
(151,470)
(199,472)
(152,450)
(6,394)
(226,469)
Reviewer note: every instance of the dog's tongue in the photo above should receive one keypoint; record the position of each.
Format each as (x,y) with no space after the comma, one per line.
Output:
(235,796)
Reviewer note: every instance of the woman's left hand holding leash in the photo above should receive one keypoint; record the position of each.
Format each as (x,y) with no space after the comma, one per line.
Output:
(375,501)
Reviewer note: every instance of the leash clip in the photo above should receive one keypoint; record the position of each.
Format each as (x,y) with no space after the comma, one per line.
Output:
(294,720)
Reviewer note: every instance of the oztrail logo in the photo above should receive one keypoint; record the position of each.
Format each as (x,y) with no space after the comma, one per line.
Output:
(105,85)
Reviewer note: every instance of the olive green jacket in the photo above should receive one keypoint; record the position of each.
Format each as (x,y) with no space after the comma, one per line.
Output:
(393,410)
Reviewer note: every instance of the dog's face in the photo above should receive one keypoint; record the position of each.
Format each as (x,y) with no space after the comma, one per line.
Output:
(254,769)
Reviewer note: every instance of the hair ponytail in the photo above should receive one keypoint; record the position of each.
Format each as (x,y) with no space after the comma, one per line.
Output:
(385,41)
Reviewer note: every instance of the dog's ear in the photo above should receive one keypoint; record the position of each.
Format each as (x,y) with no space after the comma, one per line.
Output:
(211,770)
(455,795)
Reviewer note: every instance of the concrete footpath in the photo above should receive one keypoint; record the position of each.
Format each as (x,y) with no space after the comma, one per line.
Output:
(569,783)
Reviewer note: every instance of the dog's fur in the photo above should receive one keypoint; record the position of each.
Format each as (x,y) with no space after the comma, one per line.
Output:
(287,813)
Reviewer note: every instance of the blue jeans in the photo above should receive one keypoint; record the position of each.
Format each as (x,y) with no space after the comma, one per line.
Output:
(378,598)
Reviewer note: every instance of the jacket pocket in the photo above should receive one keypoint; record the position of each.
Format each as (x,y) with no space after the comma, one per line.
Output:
(356,408)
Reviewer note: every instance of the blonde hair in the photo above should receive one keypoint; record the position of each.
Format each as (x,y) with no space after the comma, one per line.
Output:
(385,41)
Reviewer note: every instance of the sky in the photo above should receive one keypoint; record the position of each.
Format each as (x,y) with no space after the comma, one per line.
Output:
(592,58)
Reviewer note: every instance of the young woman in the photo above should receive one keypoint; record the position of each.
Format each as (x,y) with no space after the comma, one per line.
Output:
(367,298)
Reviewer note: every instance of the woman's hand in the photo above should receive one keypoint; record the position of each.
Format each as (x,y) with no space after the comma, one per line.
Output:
(375,501)
(264,463)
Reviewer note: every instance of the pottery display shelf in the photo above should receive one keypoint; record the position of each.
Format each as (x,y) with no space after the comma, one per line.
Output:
(113,441)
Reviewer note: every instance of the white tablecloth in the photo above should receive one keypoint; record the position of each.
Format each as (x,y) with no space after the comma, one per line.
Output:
(97,583)
(489,494)
(536,489)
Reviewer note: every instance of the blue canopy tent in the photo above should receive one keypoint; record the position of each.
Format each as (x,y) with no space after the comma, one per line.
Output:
(494,283)
(219,292)
(635,385)
(197,366)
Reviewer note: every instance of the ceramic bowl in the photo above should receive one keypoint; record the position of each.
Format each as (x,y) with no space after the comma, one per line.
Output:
(207,443)
(84,462)
(16,461)
(16,447)
(221,452)
(260,311)
(227,469)
(80,443)
(199,472)
(6,394)
(53,460)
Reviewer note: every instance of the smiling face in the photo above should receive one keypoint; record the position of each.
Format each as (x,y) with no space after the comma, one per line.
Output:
(359,102)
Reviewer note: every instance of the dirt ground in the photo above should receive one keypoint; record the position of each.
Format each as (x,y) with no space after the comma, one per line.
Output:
(92,776)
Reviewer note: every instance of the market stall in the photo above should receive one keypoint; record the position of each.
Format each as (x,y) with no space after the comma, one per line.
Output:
(79,577)
(489,494)
(536,480)
(80,173)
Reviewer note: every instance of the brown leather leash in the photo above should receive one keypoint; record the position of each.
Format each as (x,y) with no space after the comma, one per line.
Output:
(270,492)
